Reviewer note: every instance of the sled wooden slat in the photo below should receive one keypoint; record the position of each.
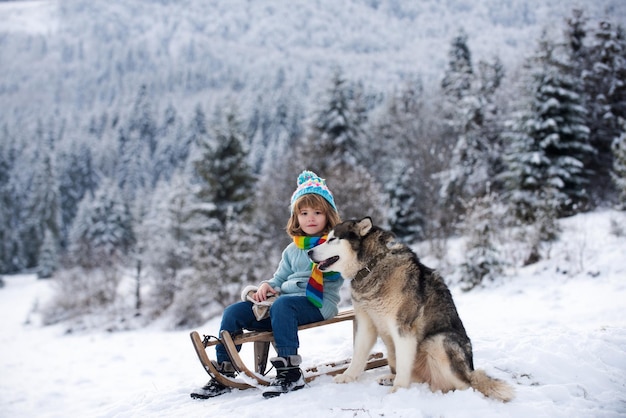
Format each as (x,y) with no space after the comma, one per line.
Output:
(268,336)
(263,339)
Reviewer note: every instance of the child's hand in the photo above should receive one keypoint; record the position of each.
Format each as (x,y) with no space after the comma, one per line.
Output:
(262,291)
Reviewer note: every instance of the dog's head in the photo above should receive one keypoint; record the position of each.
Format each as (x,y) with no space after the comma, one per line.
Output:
(342,250)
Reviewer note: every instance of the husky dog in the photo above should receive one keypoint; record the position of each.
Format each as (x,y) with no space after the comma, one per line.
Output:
(409,306)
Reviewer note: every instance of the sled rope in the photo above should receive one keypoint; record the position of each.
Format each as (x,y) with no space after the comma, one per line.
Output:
(207,339)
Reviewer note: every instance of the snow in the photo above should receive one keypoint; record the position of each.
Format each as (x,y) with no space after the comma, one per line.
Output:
(35,17)
(555,330)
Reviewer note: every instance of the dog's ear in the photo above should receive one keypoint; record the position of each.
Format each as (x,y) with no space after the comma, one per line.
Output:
(364,226)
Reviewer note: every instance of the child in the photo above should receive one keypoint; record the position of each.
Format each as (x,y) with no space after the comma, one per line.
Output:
(305,294)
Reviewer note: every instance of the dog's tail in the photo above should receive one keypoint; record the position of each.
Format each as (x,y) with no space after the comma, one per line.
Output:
(491,387)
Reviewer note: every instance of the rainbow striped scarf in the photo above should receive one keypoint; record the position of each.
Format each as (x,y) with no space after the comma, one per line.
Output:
(315,286)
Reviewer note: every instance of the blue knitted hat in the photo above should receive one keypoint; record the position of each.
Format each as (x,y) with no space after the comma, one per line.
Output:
(309,182)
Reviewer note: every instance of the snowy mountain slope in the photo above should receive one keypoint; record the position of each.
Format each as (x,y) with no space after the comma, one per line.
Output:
(555,330)
(95,54)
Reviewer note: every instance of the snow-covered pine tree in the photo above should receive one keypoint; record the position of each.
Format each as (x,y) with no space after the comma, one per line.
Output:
(167,258)
(222,215)
(335,132)
(278,128)
(459,75)
(133,175)
(482,260)
(43,206)
(405,197)
(603,72)
(173,147)
(619,165)
(102,233)
(197,131)
(77,178)
(275,128)
(15,193)
(7,203)
(332,149)
(137,143)
(100,240)
(457,106)
(143,121)
(223,168)
(48,261)
(550,142)
(406,157)
(471,116)
(575,34)
(397,134)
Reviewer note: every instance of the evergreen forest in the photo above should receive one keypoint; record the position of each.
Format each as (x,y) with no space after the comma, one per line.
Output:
(146,176)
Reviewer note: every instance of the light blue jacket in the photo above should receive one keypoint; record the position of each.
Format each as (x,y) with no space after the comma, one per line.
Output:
(293,274)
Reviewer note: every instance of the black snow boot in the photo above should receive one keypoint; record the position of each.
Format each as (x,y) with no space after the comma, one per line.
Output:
(214,388)
(288,376)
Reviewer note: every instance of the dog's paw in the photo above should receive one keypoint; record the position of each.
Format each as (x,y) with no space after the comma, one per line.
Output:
(386,380)
(344,378)
(397,387)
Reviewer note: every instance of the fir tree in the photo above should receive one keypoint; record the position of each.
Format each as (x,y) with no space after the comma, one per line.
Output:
(576,32)
(457,80)
(48,261)
(43,208)
(273,156)
(398,135)
(171,218)
(482,260)
(472,122)
(603,73)
(14,195)
(77,178)
(331,149)
(6,203)
(619,165)
(406,220)
(278,128)
(458,110)
(173,147)
(336,130)
(142,120)
(133,165)
(137,143)
(548,144)
(406,158)
(102,233)
(223,209)
(222,167)
(197,130)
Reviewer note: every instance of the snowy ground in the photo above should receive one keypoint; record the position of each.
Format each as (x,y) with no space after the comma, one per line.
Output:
(555,330)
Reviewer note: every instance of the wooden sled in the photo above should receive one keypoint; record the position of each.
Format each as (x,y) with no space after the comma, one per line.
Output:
(254,377)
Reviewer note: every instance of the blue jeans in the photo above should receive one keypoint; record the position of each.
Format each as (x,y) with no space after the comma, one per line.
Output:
(286,314)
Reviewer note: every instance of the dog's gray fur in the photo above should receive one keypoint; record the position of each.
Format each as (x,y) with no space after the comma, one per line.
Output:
(409,306)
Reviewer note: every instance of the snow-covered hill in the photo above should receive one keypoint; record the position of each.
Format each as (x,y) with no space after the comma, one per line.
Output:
(556,330)
(84,56)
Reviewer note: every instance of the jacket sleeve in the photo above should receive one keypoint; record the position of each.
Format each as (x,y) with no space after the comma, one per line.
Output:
(283,271)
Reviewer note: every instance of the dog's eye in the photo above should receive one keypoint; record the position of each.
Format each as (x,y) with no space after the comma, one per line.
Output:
(332,239)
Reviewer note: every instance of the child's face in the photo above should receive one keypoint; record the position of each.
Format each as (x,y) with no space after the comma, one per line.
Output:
(312,221)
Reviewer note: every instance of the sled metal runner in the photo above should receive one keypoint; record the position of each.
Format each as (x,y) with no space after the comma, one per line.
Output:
(262,340)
